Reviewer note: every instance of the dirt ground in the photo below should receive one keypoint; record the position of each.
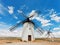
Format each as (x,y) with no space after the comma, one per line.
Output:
(19,42)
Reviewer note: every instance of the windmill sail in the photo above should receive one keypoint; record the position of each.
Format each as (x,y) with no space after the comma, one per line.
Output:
(16,25)
(40,30)
(50,34)
(21,12)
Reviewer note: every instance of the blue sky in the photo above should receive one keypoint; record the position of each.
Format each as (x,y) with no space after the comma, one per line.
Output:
(48,18)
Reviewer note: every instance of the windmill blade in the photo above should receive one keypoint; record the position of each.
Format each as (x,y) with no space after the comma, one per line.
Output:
(15,26)
(21,12)
(24,15)
(31,16)
(48,36)
(49,33)
(34,13)
(53,35)
(42,29)
(39,30)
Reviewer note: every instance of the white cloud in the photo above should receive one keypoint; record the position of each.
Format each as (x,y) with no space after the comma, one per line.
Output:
(15,17)
(11,9)
(4,25)
(18,21)
(18,33)
(51,11)
(47,24)
(33,13)
(19,11)
(23,6)
(7,33)
(43,21)
(2,9)
(57,28)
(54,15)
(57,34)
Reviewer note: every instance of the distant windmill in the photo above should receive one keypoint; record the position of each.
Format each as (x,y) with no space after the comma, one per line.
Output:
(28,27)
(50,35)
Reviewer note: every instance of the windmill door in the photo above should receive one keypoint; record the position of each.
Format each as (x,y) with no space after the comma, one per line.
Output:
(29,37)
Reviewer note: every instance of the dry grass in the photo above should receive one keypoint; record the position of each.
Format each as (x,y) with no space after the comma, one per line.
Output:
(37,41)
(9,40)
(49,39)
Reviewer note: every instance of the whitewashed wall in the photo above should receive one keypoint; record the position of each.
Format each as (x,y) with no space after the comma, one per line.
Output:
(27,31)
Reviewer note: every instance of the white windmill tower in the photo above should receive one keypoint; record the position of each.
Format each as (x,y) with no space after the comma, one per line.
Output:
(28,32)
(28,27)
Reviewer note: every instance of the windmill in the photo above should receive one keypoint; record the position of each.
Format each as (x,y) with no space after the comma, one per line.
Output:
(28,27)
(50,35)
